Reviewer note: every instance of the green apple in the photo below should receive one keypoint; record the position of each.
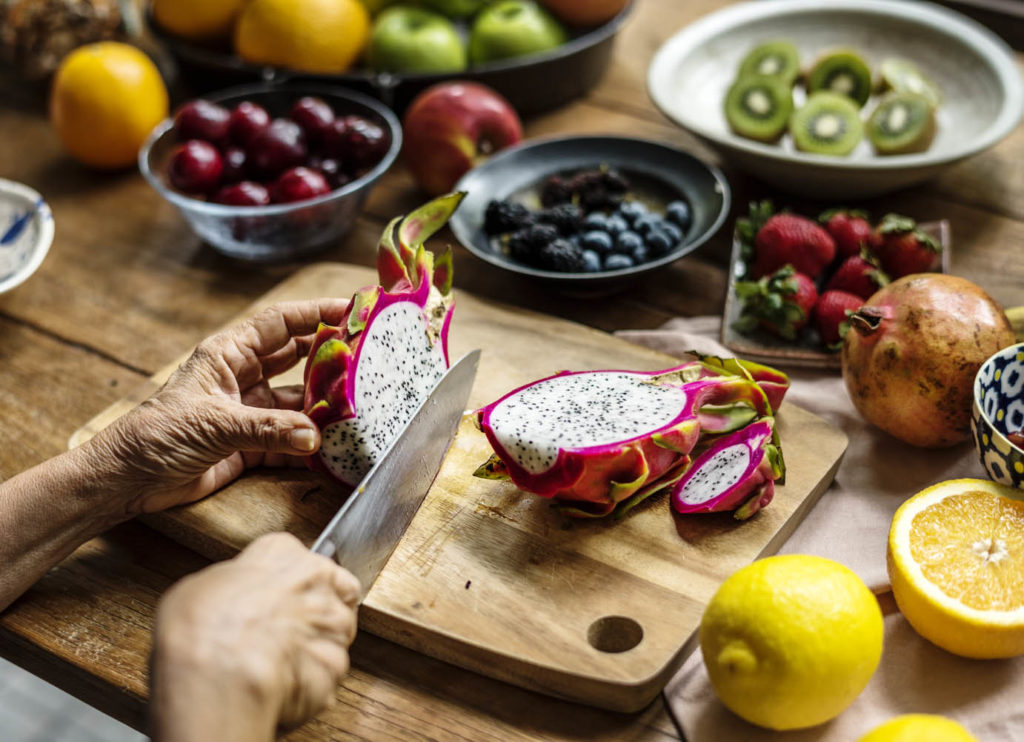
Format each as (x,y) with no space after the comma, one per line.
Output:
(457,8)
(407,39)
(513,28)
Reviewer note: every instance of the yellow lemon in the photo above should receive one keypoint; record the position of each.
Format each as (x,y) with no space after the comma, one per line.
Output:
(311,35)
(790,641)
(105,100)
(198,20)
(956,564)
(919,728)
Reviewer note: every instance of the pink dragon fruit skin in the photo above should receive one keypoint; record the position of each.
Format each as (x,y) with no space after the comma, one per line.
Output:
(737,472)
(641,428)
(366,377)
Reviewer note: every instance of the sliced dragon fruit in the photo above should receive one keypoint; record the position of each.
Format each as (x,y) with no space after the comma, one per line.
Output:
(737,472)
(593,439)
(365,378)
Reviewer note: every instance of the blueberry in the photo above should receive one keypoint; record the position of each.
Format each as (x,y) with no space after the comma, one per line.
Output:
(596,220)
(591,261)
(679,212)
(627,242)
(616,224)
(674,232)
(632,210)
(641,254)
(615,262)
(646,223)
(600,242)
(659,242)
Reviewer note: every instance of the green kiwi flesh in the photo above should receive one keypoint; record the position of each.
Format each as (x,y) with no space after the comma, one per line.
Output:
(827,124)
(772,58)
(758,107)
(903,76)
(901,123)
(842,72)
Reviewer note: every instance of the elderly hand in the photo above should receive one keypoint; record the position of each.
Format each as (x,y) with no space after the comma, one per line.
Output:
(250,643)
(217,414)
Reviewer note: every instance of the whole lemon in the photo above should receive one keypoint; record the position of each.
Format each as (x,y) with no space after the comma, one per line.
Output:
(917,728)
(198,20)
(105,100)
(790,641)
(310,35)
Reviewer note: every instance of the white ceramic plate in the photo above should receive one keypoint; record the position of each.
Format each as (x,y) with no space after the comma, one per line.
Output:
(26,231)
(983,94)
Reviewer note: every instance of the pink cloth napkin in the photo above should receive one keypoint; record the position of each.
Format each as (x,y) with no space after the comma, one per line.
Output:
(850,524)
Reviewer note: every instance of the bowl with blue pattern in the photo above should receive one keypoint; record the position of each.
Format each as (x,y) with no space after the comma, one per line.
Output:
(999,414)
(26,231)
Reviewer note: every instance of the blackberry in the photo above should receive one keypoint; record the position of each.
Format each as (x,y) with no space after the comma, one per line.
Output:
(563,256)
(566,218)
(599,189)
(505,216)
(525,244)
(556,190)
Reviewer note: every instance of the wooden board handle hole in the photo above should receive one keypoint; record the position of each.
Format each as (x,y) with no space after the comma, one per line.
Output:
(614,634)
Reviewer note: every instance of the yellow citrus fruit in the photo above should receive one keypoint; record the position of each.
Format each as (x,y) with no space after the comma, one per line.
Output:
(198,20)
(106,99)
(311,35)
(919,728)
(790,641)
(956,564)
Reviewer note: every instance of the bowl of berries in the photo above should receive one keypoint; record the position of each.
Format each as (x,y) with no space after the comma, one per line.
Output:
(266,172)
(589,215)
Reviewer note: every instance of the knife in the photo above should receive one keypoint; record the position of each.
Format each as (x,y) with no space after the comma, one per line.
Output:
(368,527)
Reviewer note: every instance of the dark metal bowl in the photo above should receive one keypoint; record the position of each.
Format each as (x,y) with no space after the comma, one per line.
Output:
(531,84)
(670,171)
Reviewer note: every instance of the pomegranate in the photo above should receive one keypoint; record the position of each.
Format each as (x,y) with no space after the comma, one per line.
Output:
(912,352)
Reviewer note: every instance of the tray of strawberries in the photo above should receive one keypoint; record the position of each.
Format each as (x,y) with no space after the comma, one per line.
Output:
(794,280)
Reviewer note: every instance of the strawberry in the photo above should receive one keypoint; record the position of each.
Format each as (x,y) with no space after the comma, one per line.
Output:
(794,240)
(831,315)
(858,275)
(903,248)
(850,229)
(781,303)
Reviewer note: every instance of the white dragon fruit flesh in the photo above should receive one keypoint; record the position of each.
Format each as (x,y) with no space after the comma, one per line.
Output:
(595,440)
(737,472)
(365,378)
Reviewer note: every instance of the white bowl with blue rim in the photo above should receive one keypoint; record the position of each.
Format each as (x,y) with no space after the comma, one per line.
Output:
(998,411)
(26,232)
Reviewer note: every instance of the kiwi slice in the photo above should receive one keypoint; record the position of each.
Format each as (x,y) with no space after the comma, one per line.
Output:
(772,58)
(758,107)
(827,124)
(843,72)
(901,123)
(904,76)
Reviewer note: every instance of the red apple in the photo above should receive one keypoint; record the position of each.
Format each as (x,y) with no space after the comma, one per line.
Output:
(585,13)
(450,127)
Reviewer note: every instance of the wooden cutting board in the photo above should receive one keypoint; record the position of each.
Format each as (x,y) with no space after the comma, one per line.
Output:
(495,580)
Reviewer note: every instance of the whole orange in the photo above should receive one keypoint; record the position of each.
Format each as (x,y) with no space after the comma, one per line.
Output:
(106,99)
(199,20)
(585,12)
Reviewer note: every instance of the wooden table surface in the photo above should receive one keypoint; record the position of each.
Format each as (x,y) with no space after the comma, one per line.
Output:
(127,287)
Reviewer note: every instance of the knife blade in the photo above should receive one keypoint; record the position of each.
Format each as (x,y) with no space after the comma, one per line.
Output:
(368,526)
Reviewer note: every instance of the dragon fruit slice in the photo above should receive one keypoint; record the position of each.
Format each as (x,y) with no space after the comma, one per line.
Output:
(737,472)
(594,439)
(365,378)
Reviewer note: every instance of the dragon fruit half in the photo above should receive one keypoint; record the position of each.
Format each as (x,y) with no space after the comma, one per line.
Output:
(365,378)
(737,472)
(597,440)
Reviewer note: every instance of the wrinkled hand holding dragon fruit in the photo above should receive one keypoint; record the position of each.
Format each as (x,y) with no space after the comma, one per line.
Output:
(594,442)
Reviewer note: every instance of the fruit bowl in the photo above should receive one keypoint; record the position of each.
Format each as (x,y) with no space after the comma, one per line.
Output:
(982,93)
(26,232)
(660,173)
(282,231)
(532,84)
(998,411)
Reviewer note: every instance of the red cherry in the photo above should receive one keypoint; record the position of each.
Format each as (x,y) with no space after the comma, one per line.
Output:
(315,117)
(363,144)
(246,121)
(195,167)
(331,169)
(276,148)
(234,165)
(245,193)
(299,184)
(200,119)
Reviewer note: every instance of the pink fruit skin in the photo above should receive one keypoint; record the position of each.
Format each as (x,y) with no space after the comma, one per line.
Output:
(451,127)
(912,352)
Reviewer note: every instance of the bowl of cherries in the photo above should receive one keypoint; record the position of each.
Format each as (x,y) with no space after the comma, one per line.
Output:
(266,172)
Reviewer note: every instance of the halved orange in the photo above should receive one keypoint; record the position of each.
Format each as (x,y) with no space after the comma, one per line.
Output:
(956,564)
